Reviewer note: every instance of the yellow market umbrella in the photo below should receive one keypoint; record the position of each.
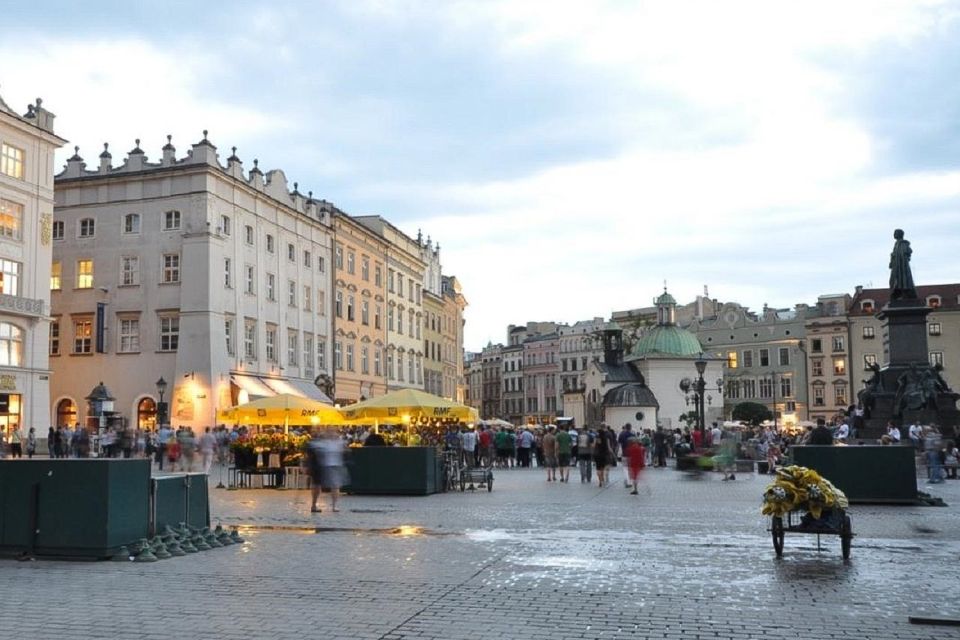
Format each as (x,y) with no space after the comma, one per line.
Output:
(406,405)
(284,408)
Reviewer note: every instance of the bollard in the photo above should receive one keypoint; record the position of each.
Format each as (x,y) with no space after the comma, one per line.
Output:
(235,535)
(200,543)
(122,556)
(145,555)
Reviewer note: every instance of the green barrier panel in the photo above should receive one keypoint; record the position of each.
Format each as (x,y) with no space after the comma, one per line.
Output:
(865,473)
(77,508)
(395,470)
(180,498)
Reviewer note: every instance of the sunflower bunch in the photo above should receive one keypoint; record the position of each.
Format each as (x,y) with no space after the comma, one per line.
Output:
(798,488)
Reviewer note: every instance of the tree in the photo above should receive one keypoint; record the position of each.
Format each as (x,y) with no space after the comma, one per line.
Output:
(689,419)
(752,412)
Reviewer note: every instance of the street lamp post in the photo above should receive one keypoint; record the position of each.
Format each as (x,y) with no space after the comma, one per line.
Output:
(161,405)
(701,385)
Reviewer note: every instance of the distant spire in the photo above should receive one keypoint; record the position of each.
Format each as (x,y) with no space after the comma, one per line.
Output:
(169,146)
(76,155)
(233,155)
(106,151)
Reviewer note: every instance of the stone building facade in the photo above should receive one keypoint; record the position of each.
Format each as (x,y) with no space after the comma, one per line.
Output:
(829,362)
(541,372)
(451,330)
(216,280)
(27,147)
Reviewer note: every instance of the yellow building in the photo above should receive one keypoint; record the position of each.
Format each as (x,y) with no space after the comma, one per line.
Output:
(433,345)
(359,324)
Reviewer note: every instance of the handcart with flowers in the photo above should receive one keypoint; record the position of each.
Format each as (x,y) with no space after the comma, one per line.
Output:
(802,501)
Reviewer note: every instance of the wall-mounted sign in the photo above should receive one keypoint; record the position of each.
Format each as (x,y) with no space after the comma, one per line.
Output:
(8,382)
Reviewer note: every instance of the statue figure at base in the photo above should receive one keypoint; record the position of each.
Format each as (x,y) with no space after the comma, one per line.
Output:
(901,277)
(915,390)
(867,395)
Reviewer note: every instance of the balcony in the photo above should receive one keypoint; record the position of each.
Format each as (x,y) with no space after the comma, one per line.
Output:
(26,307)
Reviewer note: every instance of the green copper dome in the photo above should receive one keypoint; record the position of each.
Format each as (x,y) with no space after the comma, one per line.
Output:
(664,299)
(667,340)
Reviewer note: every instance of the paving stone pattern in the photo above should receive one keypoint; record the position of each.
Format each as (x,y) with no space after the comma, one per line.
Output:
(685,559)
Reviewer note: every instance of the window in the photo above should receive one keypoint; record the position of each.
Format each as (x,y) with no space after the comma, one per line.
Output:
(399,321)
(400,285)
(400,367)
(786,387)
(365,268)
(82,335)
(364,360)
(350,306)
(390,280)
(732,359)
(55,338)
(228,334)
(11,345)
(419,294)
(307,301)
(869,333)
(936,358)
(866,306)
(365,312)
(818,399)
(869,359)
(129,271)
(764,357)
(171,220)
(410,324)
(837,344)
(934,302)
(250,340)
(57,228)
(378,275)
(933,328)
(10,277)
(250,279)
(351,260)
(291,253)
(291,293)
(271,287)
(292,348)
(839,366)
(271,344)
(749,388)
(748,358)
(88,227)
(390,319)
(840,395)
(307,260)
(816,345)
(339,258)
(337,355)
(56,276)
(11,161)
(338,305)
(784,356)
(418,330)
(321,264)
(732,389)
(248,234)
(169,333)
(321,303)
(227,273)
(131,223)
(321,353)
(308,355)
(377,365)
(766,388)
(171,267)
(129,329)
(270,246)
(84,274)
(225,225)
(376,317)
(816,367)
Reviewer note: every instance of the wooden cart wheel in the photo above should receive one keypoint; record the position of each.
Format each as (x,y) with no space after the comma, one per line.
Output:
(777,531)
(846,536)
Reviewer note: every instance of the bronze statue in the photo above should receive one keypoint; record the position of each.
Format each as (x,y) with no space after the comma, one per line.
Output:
(901,278)
(867,395)
(915,390)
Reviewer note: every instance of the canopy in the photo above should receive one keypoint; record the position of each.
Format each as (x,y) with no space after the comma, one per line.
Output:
(496,422)
(405,405)
(283,409)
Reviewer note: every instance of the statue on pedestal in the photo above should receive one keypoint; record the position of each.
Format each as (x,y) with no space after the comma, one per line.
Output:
(901,278)
(867,395)
(916,389)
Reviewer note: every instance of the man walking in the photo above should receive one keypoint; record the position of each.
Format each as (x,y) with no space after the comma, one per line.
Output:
(660,444)
(626,433)
(163,440)
(550,454)
(564,447)
(585,455)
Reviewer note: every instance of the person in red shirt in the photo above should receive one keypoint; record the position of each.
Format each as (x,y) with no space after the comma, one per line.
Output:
(486,447)
(697,436)
(636,456)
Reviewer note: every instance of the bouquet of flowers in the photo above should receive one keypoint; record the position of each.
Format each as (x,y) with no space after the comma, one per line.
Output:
(798,488)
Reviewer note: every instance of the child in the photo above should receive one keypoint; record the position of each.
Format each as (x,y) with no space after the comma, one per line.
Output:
(636,459)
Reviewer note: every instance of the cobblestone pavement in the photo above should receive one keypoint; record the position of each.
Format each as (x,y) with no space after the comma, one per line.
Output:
(531,559)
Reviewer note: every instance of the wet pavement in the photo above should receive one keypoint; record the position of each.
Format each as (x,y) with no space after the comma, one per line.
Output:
(531,559)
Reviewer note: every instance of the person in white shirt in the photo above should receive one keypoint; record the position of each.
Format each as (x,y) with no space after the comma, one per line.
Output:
(468,441)
(915,433)
(893,432)
(843,432)
(715,435)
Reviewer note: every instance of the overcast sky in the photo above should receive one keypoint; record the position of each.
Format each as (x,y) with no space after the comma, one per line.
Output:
(568,156)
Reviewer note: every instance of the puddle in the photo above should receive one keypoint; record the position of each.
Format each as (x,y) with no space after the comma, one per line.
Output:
(403,531)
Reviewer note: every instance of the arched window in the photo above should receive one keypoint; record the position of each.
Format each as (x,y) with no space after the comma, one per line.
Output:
(147,414)
(934,301)
(66,413)
(11,345)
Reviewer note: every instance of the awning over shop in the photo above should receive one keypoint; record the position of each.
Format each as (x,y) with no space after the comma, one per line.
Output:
(253,386)
(257,387)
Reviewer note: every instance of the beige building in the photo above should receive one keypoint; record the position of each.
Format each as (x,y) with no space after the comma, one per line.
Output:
(215,280)
(404,307)
(359,311)
(433,344)
(27,147)
(451,329)
(829,357)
